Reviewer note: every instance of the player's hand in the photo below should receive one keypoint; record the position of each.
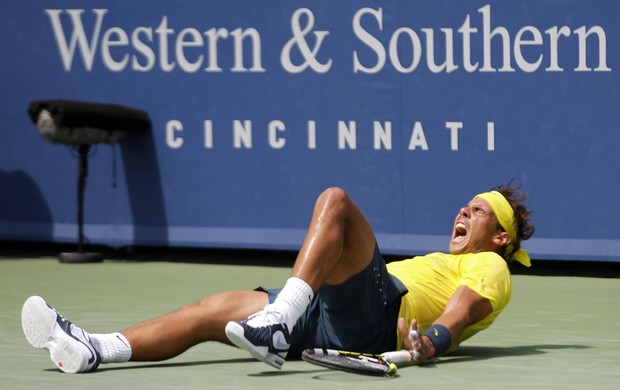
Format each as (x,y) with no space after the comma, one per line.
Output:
(419,346)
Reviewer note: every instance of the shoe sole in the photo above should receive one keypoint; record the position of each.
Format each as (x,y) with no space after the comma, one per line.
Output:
(41,331)
(235,334)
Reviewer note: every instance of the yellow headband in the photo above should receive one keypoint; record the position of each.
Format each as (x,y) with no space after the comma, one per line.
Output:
(505,216)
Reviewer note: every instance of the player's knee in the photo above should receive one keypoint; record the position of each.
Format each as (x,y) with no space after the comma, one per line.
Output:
(334,198)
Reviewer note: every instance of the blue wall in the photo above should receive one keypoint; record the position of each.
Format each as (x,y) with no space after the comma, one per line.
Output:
(294,97)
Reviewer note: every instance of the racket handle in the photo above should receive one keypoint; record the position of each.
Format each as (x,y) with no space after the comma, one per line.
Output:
(397,357)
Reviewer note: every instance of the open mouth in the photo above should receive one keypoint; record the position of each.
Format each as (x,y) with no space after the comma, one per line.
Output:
(460,231)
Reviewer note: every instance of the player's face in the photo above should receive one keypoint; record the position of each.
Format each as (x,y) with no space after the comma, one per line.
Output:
(475,229)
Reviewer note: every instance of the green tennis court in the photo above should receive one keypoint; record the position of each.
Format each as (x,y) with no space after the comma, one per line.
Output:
(560,330)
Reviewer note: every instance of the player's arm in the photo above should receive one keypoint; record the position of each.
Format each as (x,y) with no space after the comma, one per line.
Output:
(464,308)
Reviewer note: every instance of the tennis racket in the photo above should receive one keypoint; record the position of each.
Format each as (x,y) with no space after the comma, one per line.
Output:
(384,364)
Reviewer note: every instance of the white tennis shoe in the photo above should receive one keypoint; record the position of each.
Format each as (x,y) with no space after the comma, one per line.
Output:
(69,346)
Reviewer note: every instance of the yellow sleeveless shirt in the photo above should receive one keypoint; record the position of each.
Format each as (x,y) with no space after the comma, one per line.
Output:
(432,279)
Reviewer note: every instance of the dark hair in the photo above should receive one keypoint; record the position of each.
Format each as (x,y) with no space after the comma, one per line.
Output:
(523,216)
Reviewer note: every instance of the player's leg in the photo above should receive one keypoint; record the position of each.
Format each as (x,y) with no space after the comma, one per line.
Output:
(72,349)
(169,335)
(339,244)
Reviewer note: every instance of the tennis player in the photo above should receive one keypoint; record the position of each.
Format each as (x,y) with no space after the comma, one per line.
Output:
(341,295)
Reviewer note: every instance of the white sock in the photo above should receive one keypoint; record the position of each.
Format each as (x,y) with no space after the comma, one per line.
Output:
(113,347)
(292,301)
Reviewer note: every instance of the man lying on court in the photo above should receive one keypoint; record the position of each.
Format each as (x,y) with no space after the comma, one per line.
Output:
(340,295)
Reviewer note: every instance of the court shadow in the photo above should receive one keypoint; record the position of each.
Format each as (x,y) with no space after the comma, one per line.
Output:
(141,366)
(474,353)
(267,374)
(151,365)
(137,366)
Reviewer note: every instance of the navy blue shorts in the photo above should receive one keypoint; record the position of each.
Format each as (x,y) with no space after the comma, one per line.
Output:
(359,315)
